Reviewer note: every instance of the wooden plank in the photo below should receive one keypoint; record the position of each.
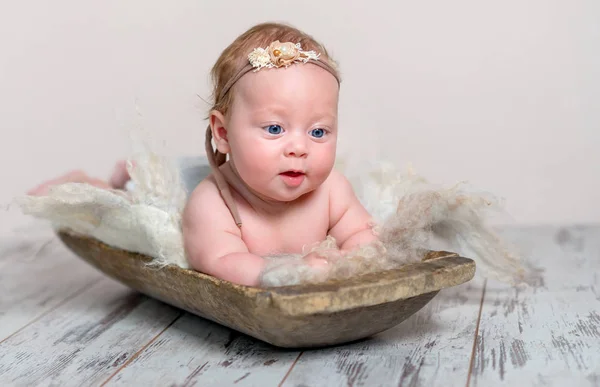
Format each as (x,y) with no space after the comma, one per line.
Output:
(433,347)
(86,340)
(548,334)
(25,243)
(37,274)
(197,352)
(545,335)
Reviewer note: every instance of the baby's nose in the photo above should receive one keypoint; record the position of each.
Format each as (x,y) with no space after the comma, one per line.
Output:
(297,148)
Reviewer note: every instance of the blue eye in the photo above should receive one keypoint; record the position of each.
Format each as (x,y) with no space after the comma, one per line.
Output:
(318,133)
(274,129)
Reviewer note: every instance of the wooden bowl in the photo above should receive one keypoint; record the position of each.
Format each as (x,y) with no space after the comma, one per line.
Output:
(298,316)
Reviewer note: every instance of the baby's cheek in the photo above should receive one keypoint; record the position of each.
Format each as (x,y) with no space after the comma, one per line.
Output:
(255,167)
(259,162)
(324,161)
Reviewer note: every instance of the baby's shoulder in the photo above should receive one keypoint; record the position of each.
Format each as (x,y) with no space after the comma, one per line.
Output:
(341,195)
(206,190)
(205,207)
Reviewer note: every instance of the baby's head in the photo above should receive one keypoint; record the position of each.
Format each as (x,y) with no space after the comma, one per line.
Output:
(278,125)
(235,56)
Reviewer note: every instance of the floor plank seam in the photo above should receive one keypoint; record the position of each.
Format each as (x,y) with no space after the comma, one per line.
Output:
(290,370)
(71,296)
(472,361)
(135,355)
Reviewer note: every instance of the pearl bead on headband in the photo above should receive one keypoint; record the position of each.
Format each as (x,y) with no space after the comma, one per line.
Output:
(280,55)
(276,55)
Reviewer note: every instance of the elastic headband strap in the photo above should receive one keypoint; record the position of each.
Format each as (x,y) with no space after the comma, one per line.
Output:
(244,70)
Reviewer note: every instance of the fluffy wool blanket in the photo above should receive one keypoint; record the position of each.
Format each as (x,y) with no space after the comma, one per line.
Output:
(411,214)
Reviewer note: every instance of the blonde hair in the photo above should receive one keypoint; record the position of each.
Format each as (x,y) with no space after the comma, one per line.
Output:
(235,56)
(232,64)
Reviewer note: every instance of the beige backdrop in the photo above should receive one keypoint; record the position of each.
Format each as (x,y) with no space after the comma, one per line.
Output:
(505,94)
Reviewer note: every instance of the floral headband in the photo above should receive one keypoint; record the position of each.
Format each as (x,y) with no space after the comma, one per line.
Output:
(276,55)
(280,55)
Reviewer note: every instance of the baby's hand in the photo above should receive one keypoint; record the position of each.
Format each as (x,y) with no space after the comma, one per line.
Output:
(315,260)
(323,257)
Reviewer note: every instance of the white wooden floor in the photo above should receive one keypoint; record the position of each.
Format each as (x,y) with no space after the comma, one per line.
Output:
(62,323)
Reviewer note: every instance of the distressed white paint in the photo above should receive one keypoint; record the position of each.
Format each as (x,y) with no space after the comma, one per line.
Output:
(432,347)
(36,275)
(547,335)
(84,341)
(203,353)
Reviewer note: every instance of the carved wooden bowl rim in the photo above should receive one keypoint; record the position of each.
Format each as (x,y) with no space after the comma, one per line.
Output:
(438,270)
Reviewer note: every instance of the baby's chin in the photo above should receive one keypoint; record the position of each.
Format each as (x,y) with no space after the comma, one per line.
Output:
(285,195)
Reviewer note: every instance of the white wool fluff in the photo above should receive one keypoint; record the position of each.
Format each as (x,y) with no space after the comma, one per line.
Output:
(145,220)
(410,216)
(417,215)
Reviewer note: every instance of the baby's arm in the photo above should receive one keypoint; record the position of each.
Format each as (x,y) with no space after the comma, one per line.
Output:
(212,240)
(350,223)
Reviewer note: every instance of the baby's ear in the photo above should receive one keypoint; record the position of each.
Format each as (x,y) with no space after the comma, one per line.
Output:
(219,131)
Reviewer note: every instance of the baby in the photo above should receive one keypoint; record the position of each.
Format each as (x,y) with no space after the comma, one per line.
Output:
(273,189)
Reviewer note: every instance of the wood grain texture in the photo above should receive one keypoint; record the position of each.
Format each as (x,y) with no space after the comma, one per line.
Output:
(549,334)
(433,347)
(37,274)
(86,340)
(197,352)
(307,315)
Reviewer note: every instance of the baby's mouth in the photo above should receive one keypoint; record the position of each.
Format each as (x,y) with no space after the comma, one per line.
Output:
(292,173)
(293,178)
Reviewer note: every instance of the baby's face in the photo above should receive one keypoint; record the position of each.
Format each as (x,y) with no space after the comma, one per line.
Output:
(282,130)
